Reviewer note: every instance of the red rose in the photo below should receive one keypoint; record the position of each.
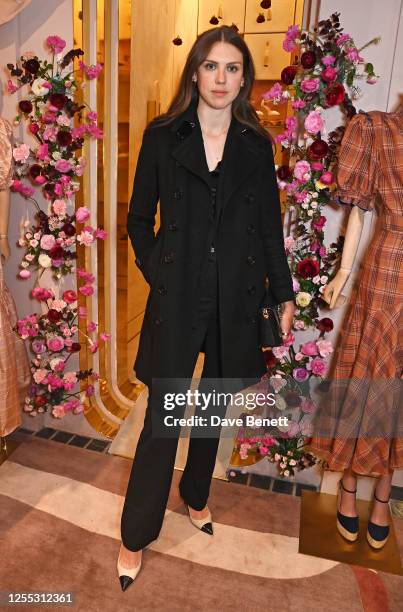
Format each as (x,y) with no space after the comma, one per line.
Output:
(329,74)
(318,149)
(334,94)
(69,296)
(308,59)
(64,138)
(54,315)
(69,229)
(288,74)
(40,400)
(308,268)
(25,106)
(284,172)
(33,128)
(57,252)
(58,100)
(318,224)
(74,348)
(325,325)
(270,359)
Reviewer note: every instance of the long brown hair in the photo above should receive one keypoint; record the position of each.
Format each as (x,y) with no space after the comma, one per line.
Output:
(187,91)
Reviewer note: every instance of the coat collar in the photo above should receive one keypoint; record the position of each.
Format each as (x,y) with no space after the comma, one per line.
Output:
(239,158)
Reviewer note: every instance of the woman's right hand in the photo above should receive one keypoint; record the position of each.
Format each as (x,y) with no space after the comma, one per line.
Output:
(333,289)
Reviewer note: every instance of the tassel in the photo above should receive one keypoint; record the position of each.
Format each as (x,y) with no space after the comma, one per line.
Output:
(220,12)
(269,15)
(266,55)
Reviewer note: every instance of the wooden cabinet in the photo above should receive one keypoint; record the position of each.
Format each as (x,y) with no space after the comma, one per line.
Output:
(231,11)
(282,16)
(268,49)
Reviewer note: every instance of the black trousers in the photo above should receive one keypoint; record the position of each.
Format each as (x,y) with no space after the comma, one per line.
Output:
(154,460)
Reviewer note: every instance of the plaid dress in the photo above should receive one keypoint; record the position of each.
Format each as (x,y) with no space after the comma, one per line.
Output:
(359,423)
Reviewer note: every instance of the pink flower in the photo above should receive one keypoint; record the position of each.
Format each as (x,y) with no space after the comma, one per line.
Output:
(353,55)
(307,406)
(92,71)
(100,233)
(39,180)
(318,224)
(90,390)
(302,171)
(327,178)
(280,351)
(49,134)
(55,43)
(310,85)
(58,411)
(85,238)
(92,117)
(48,241)
(79,132)
(27,191)
(299,325)
(309,348)
(94,347)
(82,214)
(318,366)
(316,165)
(292,34)
(11,88)
(55,344)
(21,153)
(293,429)
(328,60)
(295,285)
(329,74)
(41,294)
(300,374)
(298,104)
(59,207)
(58,189)
(63,165)
(91,326)
(104,336)
(325,348)
(274,93)
(82,312)
(94,131)
(24,274)
(86,290)
(87,276)
(42,152)
(342,39)
(299,196)
(314,122)
(372,79)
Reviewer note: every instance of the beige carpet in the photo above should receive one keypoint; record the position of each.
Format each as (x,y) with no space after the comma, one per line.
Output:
(59,530)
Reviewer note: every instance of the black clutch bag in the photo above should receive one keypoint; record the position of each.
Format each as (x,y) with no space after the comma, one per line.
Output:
(269,322)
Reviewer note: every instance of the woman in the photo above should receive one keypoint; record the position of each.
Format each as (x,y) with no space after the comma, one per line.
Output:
(359,428)
(210,164)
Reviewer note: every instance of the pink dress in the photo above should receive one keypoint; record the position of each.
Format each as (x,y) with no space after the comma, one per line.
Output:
(14,366)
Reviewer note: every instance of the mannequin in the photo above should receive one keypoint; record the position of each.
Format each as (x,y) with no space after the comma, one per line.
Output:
(14,367)
(359,426)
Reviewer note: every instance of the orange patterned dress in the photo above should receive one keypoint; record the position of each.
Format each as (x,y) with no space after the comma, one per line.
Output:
(359,424)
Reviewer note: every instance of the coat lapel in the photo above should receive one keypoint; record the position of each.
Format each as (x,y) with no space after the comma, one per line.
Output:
(239,158)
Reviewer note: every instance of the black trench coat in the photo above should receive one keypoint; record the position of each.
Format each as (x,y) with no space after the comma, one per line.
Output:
(172,168)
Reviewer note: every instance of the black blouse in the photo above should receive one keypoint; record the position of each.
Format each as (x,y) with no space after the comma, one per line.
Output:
(214,176)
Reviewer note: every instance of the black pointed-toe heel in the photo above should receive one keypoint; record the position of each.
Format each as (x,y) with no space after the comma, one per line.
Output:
(348,526)
(127,575)
(377,535)
(205,524)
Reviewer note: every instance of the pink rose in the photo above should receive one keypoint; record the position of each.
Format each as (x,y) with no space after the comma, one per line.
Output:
(307,406)
(328,60)
(316,165)
(41,294)
(86,290)
(21,153)
(298,104)
(49,134)
(309,348)
(59,207)
(329,74)
(42,152)
(302,171)
(24,274)
(39,180)
(327,178)
(48,242)
(353,55)
(310,85)
(342,39)
(314,122)
(325,347)
(82,214)
(63,165)
(11,88)
(55,43)
(289,44)
(318,366)
(55,344)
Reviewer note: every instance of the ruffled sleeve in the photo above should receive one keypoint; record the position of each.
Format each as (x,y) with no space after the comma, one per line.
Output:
(358,166)
(6,155)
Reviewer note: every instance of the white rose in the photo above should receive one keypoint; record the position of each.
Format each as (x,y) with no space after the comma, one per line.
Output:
(56,155)
(310,213)
(44,260)
(38,88)
(303,298)
(24,264)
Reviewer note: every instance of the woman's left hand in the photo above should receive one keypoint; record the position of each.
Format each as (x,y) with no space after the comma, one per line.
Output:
(287,317)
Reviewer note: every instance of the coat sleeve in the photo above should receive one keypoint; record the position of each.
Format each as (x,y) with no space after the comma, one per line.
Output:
(278,271)
(144,201)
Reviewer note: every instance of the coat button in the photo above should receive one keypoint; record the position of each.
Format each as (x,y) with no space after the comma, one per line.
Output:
(251,229)
(251,260)
(157,320)
(173,226)
(250,198)
(178,194)
(168,258)
(251,289)
(162,290)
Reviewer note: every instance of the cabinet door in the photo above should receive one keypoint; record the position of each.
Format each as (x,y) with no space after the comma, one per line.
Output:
(232,11)
(282,12)
(277,57)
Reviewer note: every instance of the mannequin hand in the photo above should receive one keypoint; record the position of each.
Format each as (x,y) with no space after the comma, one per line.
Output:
(333,289)
(4,248)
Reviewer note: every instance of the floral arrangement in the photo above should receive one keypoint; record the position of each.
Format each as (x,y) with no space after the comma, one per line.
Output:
(54,166)
(325,76)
